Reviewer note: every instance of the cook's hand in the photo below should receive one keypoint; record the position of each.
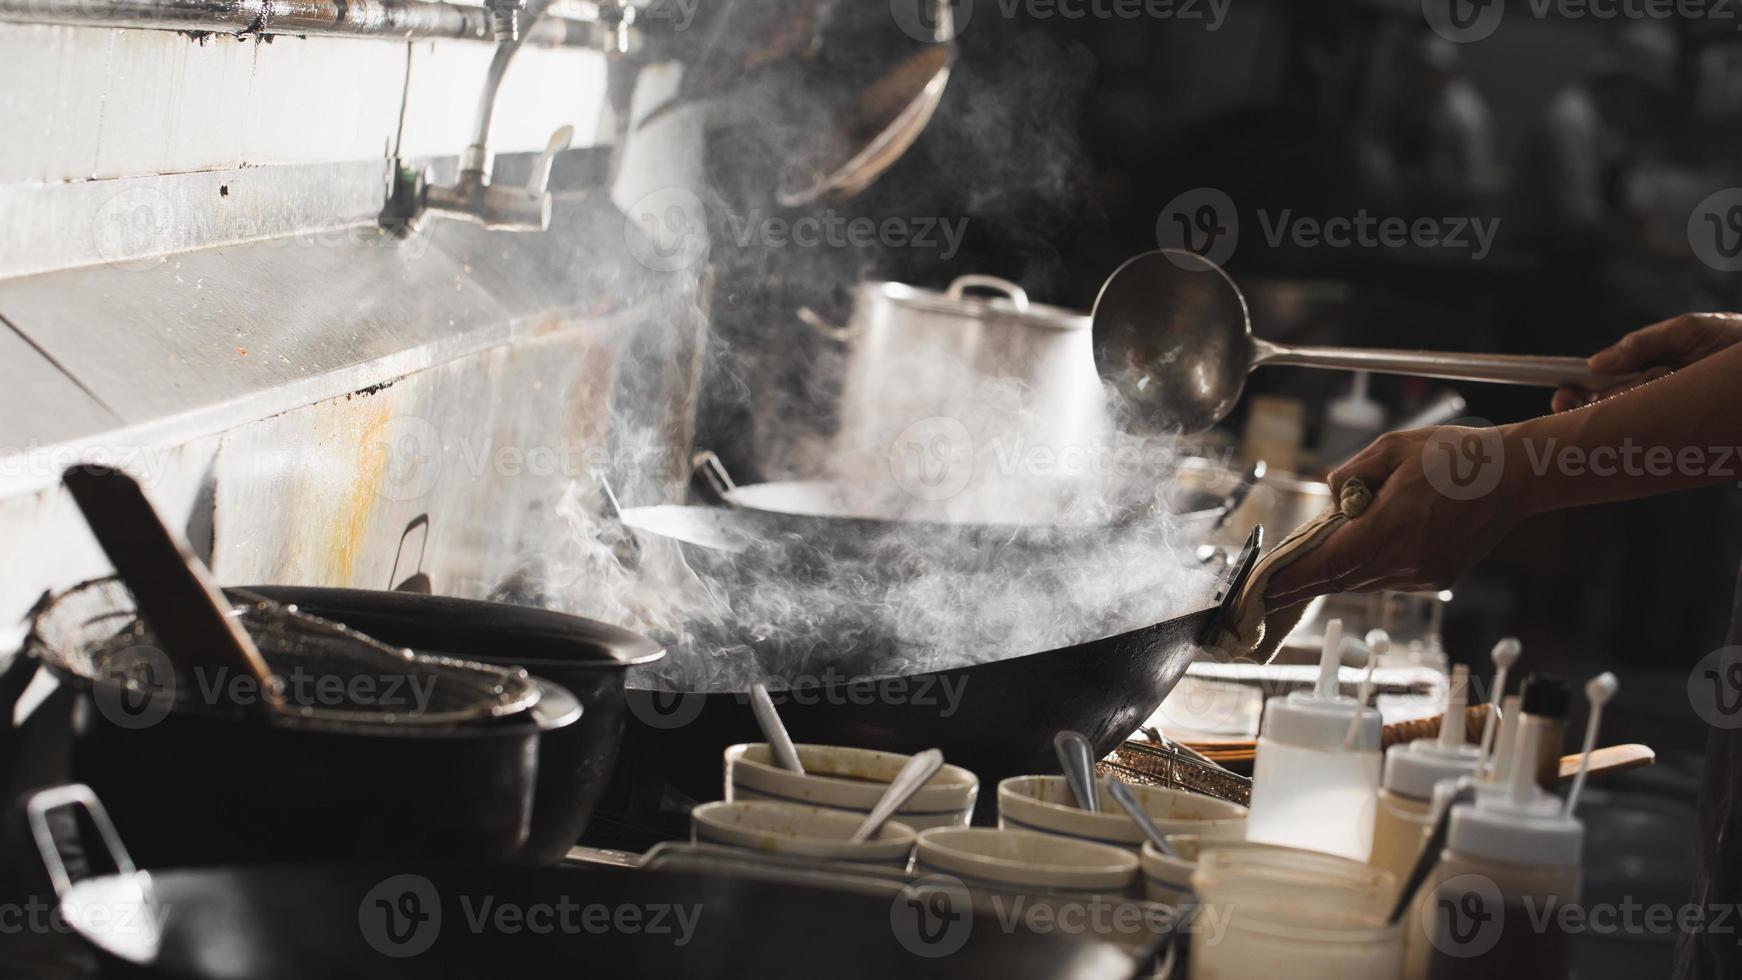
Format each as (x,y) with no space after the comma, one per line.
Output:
(1654,351)
(1413,536)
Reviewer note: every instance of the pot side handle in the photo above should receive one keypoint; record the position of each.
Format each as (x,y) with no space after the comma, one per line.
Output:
(44,802)
(840,335)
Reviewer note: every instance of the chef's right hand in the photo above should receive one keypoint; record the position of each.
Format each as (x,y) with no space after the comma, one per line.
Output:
(1654,351)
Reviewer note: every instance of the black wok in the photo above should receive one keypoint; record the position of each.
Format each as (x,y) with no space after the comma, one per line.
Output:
(996,719)
(587,658)
(382,921)
(201,782)
(842,518)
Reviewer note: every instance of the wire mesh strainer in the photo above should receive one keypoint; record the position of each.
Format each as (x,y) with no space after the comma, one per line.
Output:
(326,672)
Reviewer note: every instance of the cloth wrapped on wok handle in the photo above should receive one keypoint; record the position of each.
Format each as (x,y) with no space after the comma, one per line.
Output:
(1252,631)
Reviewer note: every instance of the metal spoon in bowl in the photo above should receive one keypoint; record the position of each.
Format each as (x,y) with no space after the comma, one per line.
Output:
(779,742)
(1123,796)
(1078,762)
(1172,332)
(919,769)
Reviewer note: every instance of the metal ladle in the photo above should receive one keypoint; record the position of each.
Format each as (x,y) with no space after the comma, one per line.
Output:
(1172,332)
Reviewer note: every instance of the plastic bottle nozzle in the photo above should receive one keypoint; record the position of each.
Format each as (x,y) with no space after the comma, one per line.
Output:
(1457,697)
(1330,659)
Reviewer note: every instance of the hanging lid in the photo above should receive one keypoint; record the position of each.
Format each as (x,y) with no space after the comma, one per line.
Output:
(1321,718)
(1009,304)
(1413,768)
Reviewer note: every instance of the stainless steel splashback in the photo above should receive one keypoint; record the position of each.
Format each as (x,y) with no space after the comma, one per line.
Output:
(316,409)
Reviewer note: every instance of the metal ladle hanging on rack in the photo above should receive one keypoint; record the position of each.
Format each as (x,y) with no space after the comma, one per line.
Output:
(1172,333)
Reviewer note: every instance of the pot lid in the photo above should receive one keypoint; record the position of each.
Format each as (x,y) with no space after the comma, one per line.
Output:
(1008,304)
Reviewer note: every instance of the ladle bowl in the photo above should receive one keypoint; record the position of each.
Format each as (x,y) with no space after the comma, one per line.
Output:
(1173,334)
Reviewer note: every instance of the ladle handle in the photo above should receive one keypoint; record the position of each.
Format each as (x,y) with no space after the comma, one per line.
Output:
(1518,369)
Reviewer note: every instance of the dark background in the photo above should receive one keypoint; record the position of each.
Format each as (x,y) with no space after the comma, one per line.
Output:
(1063,142)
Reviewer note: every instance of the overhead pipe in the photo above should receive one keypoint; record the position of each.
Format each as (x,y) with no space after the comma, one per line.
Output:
(398,20)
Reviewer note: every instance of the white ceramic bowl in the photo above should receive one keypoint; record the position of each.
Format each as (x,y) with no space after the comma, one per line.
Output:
(805,831)
(849,780)
(1024,861)
(1168,880)
(1046,804)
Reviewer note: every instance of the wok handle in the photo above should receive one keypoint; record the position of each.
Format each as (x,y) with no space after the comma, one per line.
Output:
(714,472)
(44,802)
(1518,369)
(1239,570)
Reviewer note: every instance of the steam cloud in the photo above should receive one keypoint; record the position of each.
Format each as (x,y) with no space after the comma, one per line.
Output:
(1103,553)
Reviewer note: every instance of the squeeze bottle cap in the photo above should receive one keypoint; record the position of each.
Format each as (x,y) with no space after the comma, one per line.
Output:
(1412,769)
(1516,822)
(1321,718)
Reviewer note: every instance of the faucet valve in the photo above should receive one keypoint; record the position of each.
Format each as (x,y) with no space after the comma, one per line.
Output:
(475,198)
(505,19)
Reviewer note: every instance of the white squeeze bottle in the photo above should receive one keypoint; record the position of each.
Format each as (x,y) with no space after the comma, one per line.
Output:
(1316,776)
(1494,766)
(1404,818)
(1511,864)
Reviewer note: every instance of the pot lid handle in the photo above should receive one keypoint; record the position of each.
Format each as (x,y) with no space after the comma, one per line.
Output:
(1016,294)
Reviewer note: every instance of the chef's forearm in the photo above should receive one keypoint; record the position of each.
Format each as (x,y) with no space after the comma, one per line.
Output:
(1675,433)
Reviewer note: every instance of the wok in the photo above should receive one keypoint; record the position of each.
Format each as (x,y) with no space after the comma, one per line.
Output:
(806,521)
(201,782)
(383,921)
(587,658)
(996,719)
